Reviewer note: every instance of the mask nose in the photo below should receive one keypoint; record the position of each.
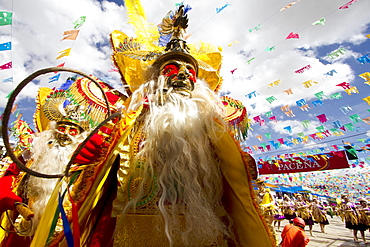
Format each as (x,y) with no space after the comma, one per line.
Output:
(183,72)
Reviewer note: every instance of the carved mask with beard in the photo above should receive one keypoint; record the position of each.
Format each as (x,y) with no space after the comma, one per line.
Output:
(179,133)
(49,157)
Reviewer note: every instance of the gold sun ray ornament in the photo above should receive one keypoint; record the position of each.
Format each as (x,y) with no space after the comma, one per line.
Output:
(133,56)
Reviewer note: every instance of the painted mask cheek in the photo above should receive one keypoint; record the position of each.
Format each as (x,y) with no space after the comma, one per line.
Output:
(192,77)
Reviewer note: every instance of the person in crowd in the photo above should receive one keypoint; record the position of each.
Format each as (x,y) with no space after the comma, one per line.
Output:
(288,208)
(267,205)
(363,217)
(304,211)
(293,234)
(319,214)
(351,217)
(278,217)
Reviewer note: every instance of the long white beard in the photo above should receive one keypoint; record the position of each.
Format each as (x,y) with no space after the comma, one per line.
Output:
(50,158)
(179,135)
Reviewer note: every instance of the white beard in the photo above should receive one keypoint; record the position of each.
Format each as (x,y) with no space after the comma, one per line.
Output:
(179,135)
(49,158)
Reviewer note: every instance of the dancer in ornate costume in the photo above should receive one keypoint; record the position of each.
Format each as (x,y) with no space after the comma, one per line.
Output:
(171,172)
(267,205)
(363,217)
(351,217)
(278,217)
(304,211)
(319,214)
(63,124)
(288,208)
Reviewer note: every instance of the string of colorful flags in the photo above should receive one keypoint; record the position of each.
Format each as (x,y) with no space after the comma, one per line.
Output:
(6,19)
(68,35)
(322,133)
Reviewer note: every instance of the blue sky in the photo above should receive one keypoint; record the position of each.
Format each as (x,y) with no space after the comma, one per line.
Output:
(243,29)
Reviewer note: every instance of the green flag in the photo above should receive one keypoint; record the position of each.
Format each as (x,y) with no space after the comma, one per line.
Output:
(78,23)
(9,94)
(5,18)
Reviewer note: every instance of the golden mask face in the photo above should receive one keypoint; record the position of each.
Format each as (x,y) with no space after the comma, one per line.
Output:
(180,76)
(65,130)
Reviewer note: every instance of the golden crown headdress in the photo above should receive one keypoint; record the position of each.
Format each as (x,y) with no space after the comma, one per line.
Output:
(156,46)
(78,101)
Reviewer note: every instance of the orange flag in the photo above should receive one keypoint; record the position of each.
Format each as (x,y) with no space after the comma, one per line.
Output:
(71,35)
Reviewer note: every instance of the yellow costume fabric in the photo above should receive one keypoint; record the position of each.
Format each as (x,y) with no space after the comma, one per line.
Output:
(250,229)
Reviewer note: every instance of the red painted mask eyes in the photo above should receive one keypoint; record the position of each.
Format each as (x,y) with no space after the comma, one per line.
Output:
(70,130)
(74,131)
(170,69)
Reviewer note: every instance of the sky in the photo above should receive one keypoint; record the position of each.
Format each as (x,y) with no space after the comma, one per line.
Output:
(260,62)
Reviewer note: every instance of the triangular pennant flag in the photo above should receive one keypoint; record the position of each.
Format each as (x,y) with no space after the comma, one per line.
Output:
(331,72)
(10,79)
(349,126)
(9,94)
(319,22)
(355,118)
(317,103)
(218,10)
(364,59)
(351,90)
(288,129)
(288,91)
(322,118)
(71,35)
(5,18)
(273,118)
(78,23)
(250,60)
(320,95)
(60,65)
(305,123)
(345,109)
(292,36)
(366,77)
(64,53)
(54,78)
(6,66)
(367,99)
(6,46)
(268,114)
(336,96)
(271,99)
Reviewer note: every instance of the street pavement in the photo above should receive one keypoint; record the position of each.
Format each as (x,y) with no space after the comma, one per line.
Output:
(336,235)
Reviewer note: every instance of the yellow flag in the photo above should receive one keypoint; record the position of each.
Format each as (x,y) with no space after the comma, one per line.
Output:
(64,53)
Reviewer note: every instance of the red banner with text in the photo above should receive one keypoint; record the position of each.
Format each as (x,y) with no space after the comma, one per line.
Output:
(328,161)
